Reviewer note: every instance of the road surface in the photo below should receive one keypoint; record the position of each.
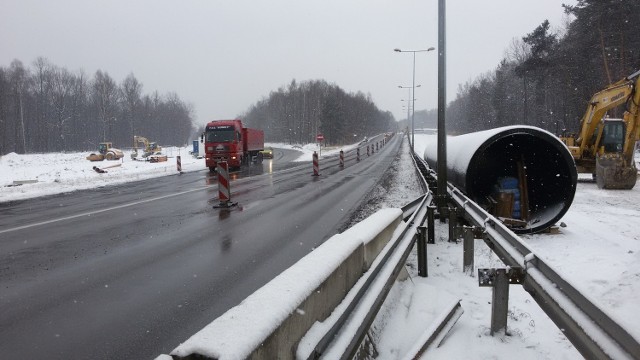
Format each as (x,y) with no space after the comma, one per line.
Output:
(130,271)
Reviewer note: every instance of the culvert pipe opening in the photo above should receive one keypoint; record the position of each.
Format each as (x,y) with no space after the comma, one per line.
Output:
(524,175)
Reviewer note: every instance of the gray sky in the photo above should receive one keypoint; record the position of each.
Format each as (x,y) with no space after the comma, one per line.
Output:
(223,56)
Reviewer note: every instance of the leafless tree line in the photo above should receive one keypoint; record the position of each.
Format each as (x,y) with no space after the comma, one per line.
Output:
(47,108)
(295,114)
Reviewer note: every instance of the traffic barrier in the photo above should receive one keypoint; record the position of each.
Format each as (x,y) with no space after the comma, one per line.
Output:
(179,164)
(341,159)
(224,186)
(316,167)
(367,150)
(358,154)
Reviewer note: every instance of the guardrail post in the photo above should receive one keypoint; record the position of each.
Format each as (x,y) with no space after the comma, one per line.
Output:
(500,302)
(452,224)
(468,249)
(499,280)
(422,251)
(431,210)
(341,159)
(358,154)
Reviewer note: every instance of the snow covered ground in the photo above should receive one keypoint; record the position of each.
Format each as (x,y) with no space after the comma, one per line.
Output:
(598,251)
(54,173)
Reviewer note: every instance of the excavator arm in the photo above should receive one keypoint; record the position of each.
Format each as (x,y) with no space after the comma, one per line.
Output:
(632,119)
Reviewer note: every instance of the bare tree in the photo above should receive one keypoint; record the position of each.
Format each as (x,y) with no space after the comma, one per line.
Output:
(105,98)
(131,90)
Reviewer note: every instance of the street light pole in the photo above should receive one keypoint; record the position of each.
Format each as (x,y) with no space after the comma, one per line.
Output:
(414,89)
(410,104)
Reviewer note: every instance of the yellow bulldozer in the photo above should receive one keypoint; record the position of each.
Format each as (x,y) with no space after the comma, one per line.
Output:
(605,146)
(106,151)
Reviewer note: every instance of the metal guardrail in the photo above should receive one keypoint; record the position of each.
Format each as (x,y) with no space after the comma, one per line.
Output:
(407,237)
(593,333)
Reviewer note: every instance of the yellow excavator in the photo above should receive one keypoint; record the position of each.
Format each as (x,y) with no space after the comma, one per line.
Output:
(149,148)
(605,146)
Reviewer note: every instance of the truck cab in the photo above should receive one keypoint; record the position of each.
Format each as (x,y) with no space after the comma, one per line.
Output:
(223,142)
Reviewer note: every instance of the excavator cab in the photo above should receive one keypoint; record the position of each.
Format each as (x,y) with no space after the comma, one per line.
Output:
(613,136)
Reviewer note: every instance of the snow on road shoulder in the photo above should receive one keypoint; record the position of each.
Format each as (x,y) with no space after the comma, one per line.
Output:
(55,173)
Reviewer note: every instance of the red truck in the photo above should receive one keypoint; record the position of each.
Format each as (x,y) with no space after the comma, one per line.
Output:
(230,141)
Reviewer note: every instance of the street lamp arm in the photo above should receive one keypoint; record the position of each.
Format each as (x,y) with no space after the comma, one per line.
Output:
(415,51)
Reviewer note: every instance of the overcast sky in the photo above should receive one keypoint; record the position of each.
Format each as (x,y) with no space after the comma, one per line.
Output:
(223,56)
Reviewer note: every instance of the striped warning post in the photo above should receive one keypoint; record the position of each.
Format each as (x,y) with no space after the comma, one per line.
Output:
(358,154)
(341,158)
(224,186)
(316,167)
(179,164)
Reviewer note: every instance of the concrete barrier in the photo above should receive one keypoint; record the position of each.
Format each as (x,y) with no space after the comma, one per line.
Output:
(270,323)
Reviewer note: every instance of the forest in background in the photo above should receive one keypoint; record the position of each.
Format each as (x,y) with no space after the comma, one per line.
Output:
(297,113)
(47,108)
(546,79)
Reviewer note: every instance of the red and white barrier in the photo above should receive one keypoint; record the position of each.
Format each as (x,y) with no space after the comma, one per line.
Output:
(224,186)
(179,164)
(341,158)
(316,167)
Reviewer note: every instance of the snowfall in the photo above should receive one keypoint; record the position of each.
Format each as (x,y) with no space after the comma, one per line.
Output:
(598,252)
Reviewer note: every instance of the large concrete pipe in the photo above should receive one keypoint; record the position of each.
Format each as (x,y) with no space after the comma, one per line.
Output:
(477,162)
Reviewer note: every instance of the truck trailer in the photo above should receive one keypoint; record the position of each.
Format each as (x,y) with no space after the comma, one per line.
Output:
(230,141)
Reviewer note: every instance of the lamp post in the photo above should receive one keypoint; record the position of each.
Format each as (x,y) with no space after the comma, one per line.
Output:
(409,107)
(414,85)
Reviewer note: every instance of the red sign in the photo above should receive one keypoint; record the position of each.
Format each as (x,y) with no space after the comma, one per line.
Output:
(320,137)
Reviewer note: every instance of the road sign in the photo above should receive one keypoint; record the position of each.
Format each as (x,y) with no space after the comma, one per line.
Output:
(320,137)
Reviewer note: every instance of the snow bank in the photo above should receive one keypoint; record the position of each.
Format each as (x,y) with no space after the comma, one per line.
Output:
(55,173)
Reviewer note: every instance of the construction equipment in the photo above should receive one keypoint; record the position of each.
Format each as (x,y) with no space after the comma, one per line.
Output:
(149,149)
(605,146)
(106,151)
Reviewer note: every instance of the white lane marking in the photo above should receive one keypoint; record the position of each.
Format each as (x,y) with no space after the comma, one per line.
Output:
(96,211)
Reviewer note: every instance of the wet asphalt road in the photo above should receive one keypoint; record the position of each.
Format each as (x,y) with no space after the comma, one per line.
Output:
(128,272)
